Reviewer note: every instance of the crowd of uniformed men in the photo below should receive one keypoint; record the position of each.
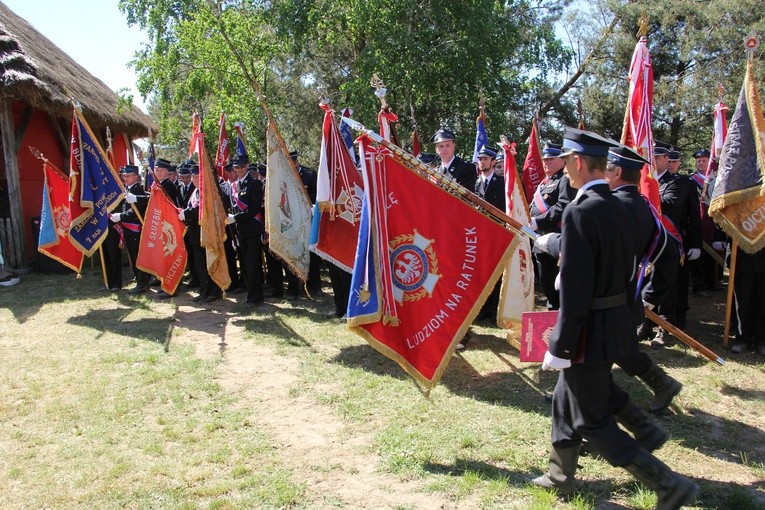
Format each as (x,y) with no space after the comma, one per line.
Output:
(602,255)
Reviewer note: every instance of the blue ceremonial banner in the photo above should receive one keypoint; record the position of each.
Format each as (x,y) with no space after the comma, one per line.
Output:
(95,188)
(364,305)
(151,160)
(345,134)
(481,138)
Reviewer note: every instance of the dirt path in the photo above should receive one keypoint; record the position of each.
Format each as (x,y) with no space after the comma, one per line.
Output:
(319,448)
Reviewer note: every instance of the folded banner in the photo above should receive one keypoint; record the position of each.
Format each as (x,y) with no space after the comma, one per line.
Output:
(533,170)
(419,281)
(95,188)
(161,251)
(517,294)
(54,220)
(335,228)
(738,198)
(288,209)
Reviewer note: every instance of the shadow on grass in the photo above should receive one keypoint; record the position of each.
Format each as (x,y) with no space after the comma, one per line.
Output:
(268,322)
(113,321)
(723,494)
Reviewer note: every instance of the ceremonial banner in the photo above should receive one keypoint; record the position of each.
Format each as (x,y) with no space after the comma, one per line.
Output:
(339,191)
(150,159)
(54,220)
(241,143)
(345,133)
(533,171)
(95,188)
(161,251)
(738,198)
(637,132)
(387,120)
(416,146)
(222,154)
(288,208)
(481,138)
(517,294)
(423,279)
(212,215)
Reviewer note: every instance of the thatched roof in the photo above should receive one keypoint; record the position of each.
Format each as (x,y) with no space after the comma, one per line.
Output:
(37,72)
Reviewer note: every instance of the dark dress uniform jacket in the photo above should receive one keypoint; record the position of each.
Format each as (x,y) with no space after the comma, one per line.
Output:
(680,202)
(309,178)
(191,218)
(172,192)
(463,172)
(597,261)
(250,222)
(127,213)
(494,192)
(557,193)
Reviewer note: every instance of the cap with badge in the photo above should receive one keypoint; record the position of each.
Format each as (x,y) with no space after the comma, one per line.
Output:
(585,143)
(184,169)
(427,157)
(241,160)
(674,153)
(442,135)
(262,169)
(623,156)
(252,168)
(194,169)
(229,167)
(129,169)
(294,155)
(551,150)
(661,149)
(487,152)
(172,170)
(162,163)
(701,153)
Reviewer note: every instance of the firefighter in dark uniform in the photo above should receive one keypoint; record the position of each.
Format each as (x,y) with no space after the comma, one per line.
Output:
(231,243)
(596,325)
(247,194)
(451,165)
(680,203)
(131,224)
(208,289)
(546,210)
(705,272)
(491,187)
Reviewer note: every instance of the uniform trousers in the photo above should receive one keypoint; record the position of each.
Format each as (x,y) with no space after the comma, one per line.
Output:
(250,249)
(207,287)
(341,287)
(113,258)
(132,241)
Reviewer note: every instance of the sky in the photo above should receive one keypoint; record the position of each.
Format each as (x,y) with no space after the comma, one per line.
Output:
(93,32)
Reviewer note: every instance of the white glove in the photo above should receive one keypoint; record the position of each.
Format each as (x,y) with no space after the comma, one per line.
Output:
(541,242)
(533,225)
(181,215)
(115,217)
(130,198)
(230,219)
(554,363)
(648,305)
(718,245)
(694,253)
(557,281)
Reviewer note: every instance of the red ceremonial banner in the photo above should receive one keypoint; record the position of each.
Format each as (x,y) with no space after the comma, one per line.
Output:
(444,257)
(533,171)
(161,251)
(54,220)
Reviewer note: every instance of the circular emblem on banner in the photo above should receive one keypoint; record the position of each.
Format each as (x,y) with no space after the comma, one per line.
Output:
(413,265)
(348,204)
(61,220)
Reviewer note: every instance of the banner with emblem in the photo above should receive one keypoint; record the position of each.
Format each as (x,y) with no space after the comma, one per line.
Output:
(533,170)
(517,294)
(222,156)
(424,276)
(161,251)
(54,220)
(738,198)
(339,191)
(95,188)
(288,208)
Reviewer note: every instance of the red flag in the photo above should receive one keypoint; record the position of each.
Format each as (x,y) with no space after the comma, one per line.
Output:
(387,120)
(433,275)
(533,171)
(54,220)
(339,192)
(222,155)
(637,132)
(416,148)
(161,251)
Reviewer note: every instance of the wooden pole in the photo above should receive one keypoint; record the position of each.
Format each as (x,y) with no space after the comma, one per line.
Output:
(12,175)
(731,282)
(684,337)
(103,266)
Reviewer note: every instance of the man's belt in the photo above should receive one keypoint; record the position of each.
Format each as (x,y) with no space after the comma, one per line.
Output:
(601,303)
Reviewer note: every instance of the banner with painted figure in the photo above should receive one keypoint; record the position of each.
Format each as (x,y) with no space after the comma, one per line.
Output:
(95,189)
(288,208)
(517,294)
(54,220)
(420,280)
(738,198)
(339,191)
(161,251)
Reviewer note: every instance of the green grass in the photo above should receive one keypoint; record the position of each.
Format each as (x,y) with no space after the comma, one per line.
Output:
(105,404)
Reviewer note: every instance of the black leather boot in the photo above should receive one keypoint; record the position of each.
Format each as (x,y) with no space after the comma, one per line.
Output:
(560,475)
(674,490)
(664,387)
(649,436)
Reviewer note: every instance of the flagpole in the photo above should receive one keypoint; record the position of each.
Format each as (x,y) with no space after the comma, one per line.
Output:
(103,266)
(731,282)
(445,182)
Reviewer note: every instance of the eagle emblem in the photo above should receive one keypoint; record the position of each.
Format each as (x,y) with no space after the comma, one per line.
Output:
(413,266)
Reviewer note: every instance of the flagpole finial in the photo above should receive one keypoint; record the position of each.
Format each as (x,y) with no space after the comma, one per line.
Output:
(380,90)
(643,25)
(720,92)
(37,153)
(751,42)
(482,104)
